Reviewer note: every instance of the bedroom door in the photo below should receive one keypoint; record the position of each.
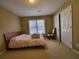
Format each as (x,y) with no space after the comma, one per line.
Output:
(66,26)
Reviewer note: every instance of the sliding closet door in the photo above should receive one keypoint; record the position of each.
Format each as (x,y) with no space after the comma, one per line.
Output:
(56,25)
(63,27)
(66,26)
(69,35)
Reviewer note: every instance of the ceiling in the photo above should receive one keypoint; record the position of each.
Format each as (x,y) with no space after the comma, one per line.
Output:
(38,8)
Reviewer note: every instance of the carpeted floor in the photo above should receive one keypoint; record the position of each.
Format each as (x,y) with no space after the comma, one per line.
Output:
(54,50)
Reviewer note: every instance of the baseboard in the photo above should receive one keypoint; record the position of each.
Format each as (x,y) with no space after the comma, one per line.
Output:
(75,51)
(2,52)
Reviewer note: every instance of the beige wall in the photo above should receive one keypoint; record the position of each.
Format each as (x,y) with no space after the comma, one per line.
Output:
(75,20)
(48,23)
(8,23)
(64,5)
(75,23)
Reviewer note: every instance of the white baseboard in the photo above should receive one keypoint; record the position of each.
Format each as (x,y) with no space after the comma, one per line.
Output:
(75,51)
(2,52)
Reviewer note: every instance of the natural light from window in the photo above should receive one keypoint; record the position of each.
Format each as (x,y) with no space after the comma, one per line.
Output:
(37,26)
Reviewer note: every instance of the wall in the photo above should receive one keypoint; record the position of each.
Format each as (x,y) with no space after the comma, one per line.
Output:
(75,24)
(8,23)
(48,23)
(75,20)
(64,5)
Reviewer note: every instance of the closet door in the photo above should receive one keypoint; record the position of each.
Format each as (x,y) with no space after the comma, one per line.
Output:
(69,27)
(56,25)
(66,26)
(63,27)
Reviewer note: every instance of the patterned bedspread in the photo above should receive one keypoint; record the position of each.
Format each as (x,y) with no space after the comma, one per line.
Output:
(25,41)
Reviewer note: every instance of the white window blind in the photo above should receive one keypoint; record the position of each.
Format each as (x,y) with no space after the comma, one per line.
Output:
(37,26)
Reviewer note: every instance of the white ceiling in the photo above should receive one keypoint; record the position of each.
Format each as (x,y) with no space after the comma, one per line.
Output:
(24,8)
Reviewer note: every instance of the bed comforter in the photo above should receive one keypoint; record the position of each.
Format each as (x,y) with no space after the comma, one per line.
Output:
(25,41)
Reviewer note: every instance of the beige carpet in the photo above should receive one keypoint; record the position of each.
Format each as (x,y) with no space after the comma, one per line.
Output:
(54,50)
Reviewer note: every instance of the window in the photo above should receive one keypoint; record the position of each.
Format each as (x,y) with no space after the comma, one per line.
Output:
(37,26)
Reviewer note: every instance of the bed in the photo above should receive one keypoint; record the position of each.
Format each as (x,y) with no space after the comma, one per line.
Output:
(20,40)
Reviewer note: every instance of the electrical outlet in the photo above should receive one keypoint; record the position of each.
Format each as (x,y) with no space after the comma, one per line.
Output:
(77,45)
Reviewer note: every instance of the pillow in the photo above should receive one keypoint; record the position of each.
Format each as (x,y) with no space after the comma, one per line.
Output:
(34,36)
